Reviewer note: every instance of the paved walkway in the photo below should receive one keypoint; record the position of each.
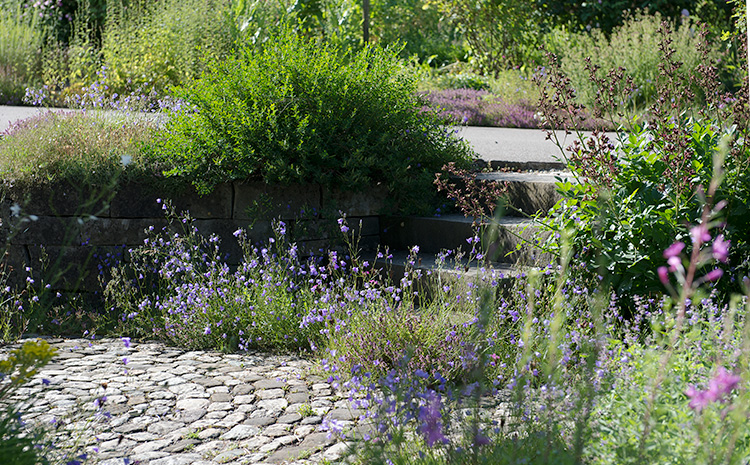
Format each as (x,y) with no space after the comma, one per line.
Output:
(518,148)
(168,406)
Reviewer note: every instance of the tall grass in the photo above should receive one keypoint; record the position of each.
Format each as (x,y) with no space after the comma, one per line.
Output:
(80,147)
(21,41)
(633,46)
(161,44)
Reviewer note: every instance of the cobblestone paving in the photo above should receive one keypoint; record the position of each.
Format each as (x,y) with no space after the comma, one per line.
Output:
(168,406)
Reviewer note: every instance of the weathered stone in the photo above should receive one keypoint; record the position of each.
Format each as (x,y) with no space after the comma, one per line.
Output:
(240,432)
(264,394)
(289,418)
(269,384)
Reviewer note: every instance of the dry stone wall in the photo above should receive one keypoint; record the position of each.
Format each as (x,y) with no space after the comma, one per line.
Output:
(80,229)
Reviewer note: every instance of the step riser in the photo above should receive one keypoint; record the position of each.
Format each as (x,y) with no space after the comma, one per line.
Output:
(505,243)
(531,198)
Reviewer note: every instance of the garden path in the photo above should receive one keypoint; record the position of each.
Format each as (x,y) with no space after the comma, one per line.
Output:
(152,404)
(520,148)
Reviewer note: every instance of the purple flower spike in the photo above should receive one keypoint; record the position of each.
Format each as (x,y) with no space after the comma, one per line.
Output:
(126,342)
(430,416)
(674,250)
(720,249)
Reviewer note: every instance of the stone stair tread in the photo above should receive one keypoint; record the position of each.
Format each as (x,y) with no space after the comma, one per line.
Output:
(549,176)
(429,262)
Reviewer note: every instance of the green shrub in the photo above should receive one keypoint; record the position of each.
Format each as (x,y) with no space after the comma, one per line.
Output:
(635,198)
(500,34)
(613,13)
(298,111)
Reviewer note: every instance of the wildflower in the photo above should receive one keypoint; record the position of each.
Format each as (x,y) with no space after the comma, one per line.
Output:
(343,226)
(674,250)
(430,417)
(333,427)
(700,234)
(714,274)
(720,249)
(663,275)
(15,209)
(722,384)
(126,342)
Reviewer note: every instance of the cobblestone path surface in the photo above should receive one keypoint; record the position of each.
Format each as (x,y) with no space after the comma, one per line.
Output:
(168,406)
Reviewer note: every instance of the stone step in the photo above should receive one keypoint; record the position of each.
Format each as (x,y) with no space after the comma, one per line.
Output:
(395,263)
(529,192)
(506,240)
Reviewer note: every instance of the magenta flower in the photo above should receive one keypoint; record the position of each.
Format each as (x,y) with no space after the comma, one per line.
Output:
(663,275)
(720,249)
(698,399)
(714,275)
(700,234)
(674,250)
(721,385)
(431,418)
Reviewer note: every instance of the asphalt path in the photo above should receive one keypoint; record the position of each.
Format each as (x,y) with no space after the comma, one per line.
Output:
(516,148)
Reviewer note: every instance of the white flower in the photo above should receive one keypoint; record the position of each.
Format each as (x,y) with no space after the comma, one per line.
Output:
(15,209)
(125,160)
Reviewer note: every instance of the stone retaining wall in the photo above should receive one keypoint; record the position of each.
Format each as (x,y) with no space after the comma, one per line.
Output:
(79,229)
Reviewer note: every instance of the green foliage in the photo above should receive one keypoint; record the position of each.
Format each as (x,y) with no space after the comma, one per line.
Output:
(501,34)
(160,44)
(306,112)
(648,202)
(630,427)
(633,46)
(176,287)
(608,15)
(21,40)
(20,445)
(84,148)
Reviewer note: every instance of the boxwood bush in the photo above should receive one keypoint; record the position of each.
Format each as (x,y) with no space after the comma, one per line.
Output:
(295,110)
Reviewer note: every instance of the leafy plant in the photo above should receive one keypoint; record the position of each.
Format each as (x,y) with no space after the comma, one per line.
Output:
(301,111)
(21,41)
(633,199)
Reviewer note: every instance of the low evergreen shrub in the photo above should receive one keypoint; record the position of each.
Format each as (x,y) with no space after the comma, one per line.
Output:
(301,111)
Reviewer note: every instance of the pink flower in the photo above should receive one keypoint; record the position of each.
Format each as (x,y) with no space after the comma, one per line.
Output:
(663,275)
(722,384)
(720,248)
(698,399)
(675,263)
(700,234)
(674,250)
(714,275)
